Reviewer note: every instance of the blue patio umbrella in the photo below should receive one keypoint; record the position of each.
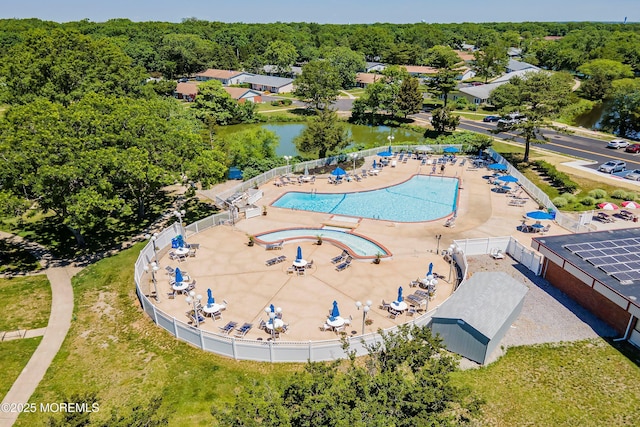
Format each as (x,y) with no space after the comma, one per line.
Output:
(179,277)
(400,294)
(334,311)
(210,299)
(338,172)
(387,153)
(299,254)
(451,150)
(272,308)
(539,215)
(507,178)
(498,167)
(430,269)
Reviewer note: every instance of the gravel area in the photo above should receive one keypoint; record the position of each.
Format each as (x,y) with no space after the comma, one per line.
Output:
(547,316)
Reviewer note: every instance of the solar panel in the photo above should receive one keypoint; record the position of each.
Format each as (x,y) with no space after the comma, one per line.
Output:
(617,258)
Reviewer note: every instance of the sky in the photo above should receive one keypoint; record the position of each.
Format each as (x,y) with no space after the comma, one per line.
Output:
(326,11)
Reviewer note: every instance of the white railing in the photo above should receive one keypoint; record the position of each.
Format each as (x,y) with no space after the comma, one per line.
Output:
(507,244)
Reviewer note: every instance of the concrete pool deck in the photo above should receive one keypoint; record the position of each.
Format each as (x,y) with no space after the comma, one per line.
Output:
(238,274)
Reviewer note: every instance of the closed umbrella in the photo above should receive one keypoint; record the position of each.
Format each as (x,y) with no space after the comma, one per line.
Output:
(430,269)
(210,299)
(335,312)
(272,308)
(400,294)
(374,163)
(299,254)
(451,150)
(507,178)
(539,215)
(608,206)
(338,172)
(498,167)
(179,277)
(631,205)
(306,170)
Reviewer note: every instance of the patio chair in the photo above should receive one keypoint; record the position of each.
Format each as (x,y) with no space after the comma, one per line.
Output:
(173,256)
(262,325)
(325,327)
(340,257)
(192,252)
(384,305)
(309,265)
(171,295)
(170,270)
(242,330)
(216,316)
(348,320)
(228,327)
(496,253)
(339,329)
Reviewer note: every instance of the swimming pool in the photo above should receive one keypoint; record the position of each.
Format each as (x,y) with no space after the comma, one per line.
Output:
(421,198)
(359,245)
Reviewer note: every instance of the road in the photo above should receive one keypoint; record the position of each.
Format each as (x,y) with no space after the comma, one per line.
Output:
(569,144)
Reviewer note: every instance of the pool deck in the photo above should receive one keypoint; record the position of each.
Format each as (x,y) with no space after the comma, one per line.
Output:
(238,274)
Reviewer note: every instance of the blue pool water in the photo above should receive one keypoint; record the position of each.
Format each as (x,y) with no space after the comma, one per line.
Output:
(421,198)
(359,245)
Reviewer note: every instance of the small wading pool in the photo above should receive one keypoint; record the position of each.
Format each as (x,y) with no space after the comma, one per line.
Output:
(359,245)
(421,198)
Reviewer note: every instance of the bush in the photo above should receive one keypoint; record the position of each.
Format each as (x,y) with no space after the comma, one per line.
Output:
(620,194)
(588,201)
(598,194)
(569,197)
(558,179)
(632,196)
(559,202)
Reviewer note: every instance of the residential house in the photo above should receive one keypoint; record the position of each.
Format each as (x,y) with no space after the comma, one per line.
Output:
(514,52)
(365,79)
(520,73)
(271,70)
(465,56)
(477,94)
(242,94)
(466,73)
(374,67)
(226,77)
(514,65)
(269,83)
(420,70)
(186,91)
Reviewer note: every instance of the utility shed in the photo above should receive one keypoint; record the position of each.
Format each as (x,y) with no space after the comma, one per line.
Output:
(473,321)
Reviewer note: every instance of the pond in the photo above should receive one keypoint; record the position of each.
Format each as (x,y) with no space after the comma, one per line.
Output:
(592,119)
(368,136)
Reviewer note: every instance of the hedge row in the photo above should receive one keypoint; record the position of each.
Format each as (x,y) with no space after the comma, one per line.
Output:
(558,179)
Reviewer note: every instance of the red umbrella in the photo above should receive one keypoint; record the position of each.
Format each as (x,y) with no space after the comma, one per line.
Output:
(631,205)
(608,206)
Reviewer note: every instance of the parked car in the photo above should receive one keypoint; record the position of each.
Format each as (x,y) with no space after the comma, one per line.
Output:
(612,166)
(510,120)
(633,148)
(488,119)
(634,175)
(618,143)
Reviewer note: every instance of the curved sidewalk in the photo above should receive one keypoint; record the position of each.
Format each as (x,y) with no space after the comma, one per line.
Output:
(55,333)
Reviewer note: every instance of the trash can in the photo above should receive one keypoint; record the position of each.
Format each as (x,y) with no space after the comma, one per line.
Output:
(635,218)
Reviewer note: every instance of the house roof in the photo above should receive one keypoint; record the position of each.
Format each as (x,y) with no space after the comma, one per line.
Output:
(514,65)
(239,92)
(562,245)
(296,71)
(514,51)
(420,69)
(367,78)
(370,65)
(268,80)
(465,55)
(482,91)
(484,301)
(219,74)
(520,73)
(187,88)
(552,38)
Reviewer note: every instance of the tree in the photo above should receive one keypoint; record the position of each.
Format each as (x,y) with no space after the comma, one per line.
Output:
(490,61)
(600,75)
(347,63)
(622,117)
(323,136)
(403,381)
(442,57)
(443,120)
(214,105)
(538,96)
(282,55)
(318,85)
(442,83)
(410,98)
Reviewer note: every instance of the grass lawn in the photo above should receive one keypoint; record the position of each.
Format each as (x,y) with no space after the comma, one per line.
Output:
(14,355)
(14,259)
(587,383)
(25,302)
(114,350)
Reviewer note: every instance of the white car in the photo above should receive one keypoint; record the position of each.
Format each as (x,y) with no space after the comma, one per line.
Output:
(618,143)
(634,175)
(613,166)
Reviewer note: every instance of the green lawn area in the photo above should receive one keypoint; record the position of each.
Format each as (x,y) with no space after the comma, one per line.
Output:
(114,350)
(14,356)
(25,302)
(14,259)
(587,383)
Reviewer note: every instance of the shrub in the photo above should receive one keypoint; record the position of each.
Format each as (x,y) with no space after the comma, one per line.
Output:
(620,194)
(632,196)
(598,194)
(558,179)
(560,202)
(569,197)
(588,201)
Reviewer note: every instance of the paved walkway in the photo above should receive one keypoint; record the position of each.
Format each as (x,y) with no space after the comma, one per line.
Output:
(21,333)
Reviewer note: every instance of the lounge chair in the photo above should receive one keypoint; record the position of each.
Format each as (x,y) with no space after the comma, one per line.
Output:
(242,330)
(171,295)
(603,217)
(309,265)
(271,262)
(340,257)
(496,253)
(170,270)
(344,265)
(228,327)
(274,246)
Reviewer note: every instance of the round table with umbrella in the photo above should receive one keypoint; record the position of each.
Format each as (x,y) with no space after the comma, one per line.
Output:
(451,150)
(334,320)
(338,172)
(399,304)
(299,261)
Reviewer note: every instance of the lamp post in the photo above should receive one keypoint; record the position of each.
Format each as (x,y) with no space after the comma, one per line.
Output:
(390,138)
(365,309)
(154,237)
(452,249)
(154,268)
(288,158)
(438,237)
(194,299)
(180,214)
(354,156)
